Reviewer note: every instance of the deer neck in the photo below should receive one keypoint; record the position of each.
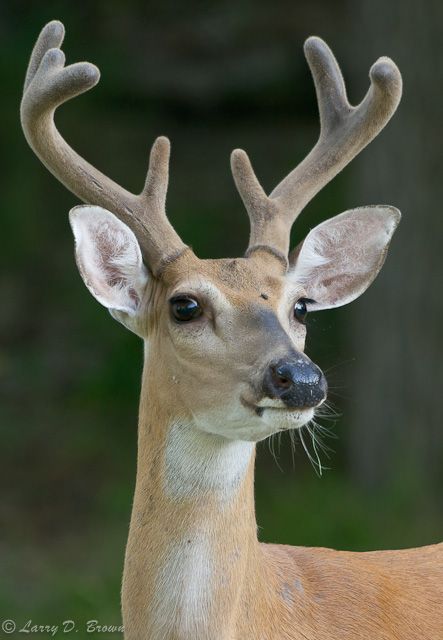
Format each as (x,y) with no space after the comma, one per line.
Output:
(192,536)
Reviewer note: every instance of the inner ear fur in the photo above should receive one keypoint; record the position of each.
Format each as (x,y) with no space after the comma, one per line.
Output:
(109,258)
(341,257)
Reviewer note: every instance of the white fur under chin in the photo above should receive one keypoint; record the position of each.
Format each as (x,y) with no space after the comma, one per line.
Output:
(213,453)
(285,419)
(245,424)
(198,462)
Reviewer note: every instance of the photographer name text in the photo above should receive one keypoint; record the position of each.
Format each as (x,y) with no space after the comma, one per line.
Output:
(64,627)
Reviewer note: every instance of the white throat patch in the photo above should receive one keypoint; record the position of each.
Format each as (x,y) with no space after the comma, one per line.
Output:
(184,590)
(198,462)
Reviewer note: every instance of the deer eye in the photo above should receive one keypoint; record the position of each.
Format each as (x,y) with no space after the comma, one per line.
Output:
(300,310)
(185,308)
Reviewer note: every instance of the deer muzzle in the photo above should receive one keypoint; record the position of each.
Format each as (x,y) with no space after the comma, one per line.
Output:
(297,381)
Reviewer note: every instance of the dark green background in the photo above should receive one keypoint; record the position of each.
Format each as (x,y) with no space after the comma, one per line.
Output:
(213,76)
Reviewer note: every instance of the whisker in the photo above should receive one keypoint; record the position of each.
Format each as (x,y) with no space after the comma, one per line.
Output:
(314,446)
(325,431)
(339,364)
(271,447)
(292,440)
(315,463)
(328,411)
(331,392)
(324,447)
(329,414)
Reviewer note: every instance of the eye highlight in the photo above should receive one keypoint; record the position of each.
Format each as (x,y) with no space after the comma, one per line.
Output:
(185,308)
(301,310)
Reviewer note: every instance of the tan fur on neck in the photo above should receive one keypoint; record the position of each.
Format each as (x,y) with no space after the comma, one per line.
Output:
(256,591)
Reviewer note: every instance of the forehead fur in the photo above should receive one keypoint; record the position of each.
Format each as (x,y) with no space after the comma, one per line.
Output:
(238,279)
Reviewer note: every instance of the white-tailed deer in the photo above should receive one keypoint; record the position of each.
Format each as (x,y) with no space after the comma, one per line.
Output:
(224,368)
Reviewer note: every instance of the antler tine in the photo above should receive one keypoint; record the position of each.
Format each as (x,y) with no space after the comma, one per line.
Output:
(49,84)
(51,37)
(345,131)
(267,230)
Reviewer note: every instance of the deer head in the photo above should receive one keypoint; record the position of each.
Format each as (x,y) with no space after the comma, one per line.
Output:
(225,337)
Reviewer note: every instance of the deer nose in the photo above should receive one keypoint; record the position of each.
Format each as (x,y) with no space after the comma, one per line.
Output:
(298,382)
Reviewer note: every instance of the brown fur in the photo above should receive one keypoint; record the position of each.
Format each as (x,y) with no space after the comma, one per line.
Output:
(213,370)
(262,592)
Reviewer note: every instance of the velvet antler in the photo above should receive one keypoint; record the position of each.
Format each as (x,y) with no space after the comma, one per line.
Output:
(345,131)
(49,84)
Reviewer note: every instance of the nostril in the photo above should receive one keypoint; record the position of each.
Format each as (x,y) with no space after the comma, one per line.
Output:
(298,382)
(281,377)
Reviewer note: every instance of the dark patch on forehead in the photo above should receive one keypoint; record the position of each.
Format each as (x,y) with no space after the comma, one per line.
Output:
(267,320)
(264,296)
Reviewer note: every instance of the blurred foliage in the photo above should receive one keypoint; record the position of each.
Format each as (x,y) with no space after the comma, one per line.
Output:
(212,76)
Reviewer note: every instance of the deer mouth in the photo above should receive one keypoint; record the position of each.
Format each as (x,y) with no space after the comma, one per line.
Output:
(276,407)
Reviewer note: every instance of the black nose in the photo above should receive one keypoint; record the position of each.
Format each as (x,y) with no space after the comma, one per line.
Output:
(296,381)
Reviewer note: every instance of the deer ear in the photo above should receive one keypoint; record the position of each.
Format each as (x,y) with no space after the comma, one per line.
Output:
(340,258)
(109,258)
